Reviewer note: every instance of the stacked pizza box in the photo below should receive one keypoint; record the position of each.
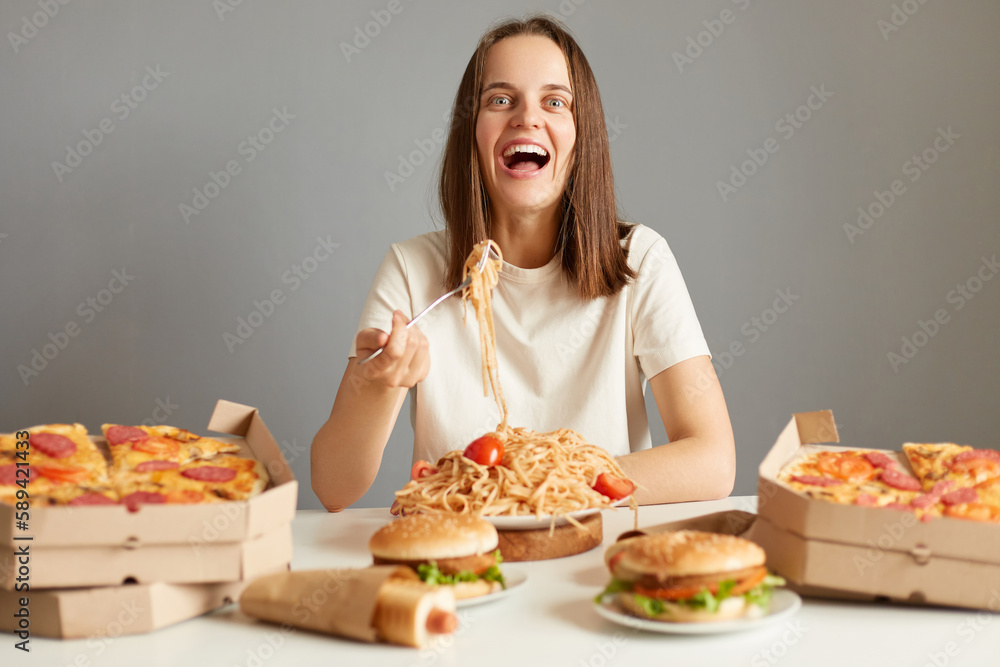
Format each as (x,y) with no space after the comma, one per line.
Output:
(851,551)
(91,571)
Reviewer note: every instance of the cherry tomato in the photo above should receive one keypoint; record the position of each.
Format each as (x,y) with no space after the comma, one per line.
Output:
(486,451)
(613,487)
(422,469)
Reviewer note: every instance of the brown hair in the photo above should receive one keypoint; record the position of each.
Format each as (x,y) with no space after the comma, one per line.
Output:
(590,236)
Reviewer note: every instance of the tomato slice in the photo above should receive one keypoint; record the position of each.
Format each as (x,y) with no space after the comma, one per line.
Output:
(161,448)
(748,583)
(486,451)
(676,592)
(61,474)
(846,466)
(613,486)
(684,592)
(422,469)
(977,467)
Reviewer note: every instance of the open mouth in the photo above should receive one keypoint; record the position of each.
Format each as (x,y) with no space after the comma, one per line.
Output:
(525,157)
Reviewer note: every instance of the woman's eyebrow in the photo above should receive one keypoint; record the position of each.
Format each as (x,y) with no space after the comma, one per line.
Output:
(509,86)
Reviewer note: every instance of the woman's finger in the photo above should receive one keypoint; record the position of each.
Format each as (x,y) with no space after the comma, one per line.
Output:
(369,340)
(395,347)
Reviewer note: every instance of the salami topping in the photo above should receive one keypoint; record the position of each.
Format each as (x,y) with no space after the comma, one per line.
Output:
(959,496)
(154,465)
(942,487)
(815,480)
(880,459)
(865,500)
(9,476)
(899,480)
(119,434)
(92,498)
(927,518)
(133,500)
(978,454)
(925,500)
(210,474)
(53,445)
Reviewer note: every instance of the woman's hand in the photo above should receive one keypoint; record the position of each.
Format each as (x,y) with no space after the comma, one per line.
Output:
(347,451)
(406,359)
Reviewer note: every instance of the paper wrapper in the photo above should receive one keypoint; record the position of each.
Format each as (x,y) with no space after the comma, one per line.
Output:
(385,602)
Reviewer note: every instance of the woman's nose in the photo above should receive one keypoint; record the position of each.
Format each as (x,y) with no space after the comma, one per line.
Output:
(527,116)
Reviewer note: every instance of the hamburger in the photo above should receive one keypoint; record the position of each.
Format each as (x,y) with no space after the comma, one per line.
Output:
(689,576)
(444,549)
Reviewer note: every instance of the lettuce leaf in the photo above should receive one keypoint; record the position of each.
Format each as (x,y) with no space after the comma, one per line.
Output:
(760,594)
(614,587)
(651,606)
(704,599)
(430,574)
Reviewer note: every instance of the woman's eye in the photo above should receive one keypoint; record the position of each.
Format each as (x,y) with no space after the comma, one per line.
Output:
(556,103)
(500,101)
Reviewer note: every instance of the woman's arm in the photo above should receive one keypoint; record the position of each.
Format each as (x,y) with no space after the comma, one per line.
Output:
(699,463)
(347,451)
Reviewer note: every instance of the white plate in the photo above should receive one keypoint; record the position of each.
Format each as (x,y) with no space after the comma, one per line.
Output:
(530,522)
(513,579)
(783,603)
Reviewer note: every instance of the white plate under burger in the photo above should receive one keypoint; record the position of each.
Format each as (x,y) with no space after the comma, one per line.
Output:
(513,579)
(783,603)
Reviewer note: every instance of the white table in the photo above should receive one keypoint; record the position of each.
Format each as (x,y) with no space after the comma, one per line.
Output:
(548,621)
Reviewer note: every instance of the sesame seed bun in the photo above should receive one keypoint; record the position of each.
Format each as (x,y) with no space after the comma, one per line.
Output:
(423,537)
(684,553)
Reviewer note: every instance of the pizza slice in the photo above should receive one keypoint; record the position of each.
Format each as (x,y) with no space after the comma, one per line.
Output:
(133,446)
(977,503)
(65,449)
(870,478)
(221,478)
(48,484)
(961,465)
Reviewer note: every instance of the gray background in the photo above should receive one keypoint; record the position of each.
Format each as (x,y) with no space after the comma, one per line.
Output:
(161,339)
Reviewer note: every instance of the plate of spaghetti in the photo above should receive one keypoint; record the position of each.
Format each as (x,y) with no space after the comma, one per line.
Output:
(515,477)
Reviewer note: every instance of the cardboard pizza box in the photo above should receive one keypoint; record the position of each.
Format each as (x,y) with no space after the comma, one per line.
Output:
(171,524)
(848,551)
(102,614)
(103,565)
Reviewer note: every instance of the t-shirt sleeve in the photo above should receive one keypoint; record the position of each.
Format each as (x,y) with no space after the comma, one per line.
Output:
(665,327)
(389,292)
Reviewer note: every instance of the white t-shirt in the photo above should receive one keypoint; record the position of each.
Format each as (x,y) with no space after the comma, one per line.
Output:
(563,362)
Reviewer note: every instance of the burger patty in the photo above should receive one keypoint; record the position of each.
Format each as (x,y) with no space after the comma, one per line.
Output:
(477,564)
(652,581)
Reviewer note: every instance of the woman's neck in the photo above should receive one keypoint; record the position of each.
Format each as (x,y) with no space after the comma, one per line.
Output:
(528,241)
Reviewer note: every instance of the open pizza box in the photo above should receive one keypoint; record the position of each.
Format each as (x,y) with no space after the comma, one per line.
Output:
(102,614)
(846,551)
(106,545)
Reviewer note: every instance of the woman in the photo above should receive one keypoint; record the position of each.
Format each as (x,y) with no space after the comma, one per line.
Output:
(586,309)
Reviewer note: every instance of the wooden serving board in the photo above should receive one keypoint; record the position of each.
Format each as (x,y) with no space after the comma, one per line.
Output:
(537,544)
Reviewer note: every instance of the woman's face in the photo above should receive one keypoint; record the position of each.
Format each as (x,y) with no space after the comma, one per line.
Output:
(525,131)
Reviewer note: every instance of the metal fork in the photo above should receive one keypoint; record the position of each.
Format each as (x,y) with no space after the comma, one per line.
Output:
(465,283)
